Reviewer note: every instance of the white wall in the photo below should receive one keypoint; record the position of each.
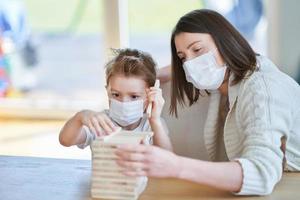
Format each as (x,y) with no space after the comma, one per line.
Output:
(284,34)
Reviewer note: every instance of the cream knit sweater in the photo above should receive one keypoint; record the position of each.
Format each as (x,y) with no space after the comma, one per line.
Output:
(263,109)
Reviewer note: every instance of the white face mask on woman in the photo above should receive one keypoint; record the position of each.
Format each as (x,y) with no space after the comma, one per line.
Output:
(204,72)
(126,113)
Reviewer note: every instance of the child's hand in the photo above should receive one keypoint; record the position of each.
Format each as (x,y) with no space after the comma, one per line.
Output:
(98,122)
(154,96)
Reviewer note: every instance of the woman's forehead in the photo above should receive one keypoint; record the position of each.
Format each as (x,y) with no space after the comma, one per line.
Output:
(184,40)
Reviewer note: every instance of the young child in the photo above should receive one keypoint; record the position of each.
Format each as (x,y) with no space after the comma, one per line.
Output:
(130,77)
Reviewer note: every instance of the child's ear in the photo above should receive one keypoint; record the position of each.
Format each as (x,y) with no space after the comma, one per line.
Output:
(145,105)
(107,90)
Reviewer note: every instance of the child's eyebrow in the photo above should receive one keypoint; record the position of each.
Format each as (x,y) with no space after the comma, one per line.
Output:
(113,90)
(136,93)
(129,93)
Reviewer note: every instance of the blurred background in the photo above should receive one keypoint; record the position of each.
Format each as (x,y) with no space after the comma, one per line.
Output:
(52,55)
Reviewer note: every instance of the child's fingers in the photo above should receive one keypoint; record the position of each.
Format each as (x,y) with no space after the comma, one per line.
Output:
(154,95)
(151,99)
(96,125)
(154,89)
(156,99)
(107,129)
(109,122)
(92,128)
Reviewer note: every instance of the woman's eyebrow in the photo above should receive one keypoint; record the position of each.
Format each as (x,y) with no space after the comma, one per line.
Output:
(189,46)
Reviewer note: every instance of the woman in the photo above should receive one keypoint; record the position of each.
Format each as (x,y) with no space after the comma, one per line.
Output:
(253,123)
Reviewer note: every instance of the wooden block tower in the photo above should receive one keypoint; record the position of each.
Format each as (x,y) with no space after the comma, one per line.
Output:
(107,180)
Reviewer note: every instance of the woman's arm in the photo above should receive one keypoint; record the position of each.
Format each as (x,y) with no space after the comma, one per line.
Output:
(142,160)
(164,74)
(222,175)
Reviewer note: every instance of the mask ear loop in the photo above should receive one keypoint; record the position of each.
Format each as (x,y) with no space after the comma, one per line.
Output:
(149,108)
(213,54)
(214,50)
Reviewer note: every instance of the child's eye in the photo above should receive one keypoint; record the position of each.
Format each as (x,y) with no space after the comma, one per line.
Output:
(115,95)
(134,97)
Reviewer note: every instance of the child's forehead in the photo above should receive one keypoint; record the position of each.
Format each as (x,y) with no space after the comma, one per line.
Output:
(131,84)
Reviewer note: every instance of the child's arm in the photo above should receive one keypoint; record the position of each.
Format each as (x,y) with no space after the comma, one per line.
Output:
(160,137)
(73,133)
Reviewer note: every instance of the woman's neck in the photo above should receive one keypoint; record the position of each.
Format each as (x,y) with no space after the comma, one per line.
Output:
(224,87)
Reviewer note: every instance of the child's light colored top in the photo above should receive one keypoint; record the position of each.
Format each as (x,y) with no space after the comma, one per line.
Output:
(143,126)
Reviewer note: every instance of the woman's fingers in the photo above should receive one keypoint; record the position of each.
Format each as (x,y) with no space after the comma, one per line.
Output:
(137,148)
(135,173)
(130,156)
(134,164)
(142,160)
(130,165)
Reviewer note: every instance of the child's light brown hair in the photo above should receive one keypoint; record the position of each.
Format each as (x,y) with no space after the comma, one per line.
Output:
(132,62)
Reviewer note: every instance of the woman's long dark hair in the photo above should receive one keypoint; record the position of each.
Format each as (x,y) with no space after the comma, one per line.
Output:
(233,47)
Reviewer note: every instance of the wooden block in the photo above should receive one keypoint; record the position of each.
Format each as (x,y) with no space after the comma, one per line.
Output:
(107,180)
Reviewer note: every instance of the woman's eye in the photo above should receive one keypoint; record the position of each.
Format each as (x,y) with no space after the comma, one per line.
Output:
(197,50)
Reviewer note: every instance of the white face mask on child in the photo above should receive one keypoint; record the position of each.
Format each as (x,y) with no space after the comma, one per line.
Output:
(126,113)
(204,72)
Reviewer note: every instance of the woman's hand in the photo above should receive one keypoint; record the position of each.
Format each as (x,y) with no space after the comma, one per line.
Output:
(154,96)
(98,122)
(143,160)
